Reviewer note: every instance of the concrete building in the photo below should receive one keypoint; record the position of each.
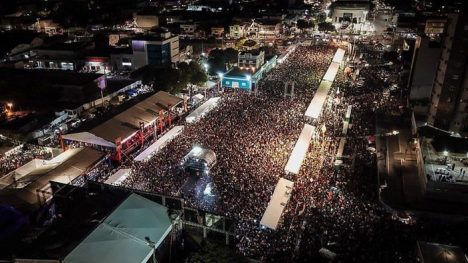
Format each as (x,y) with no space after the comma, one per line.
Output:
(252,59)
(435,26)
(264,28)
(146,22)
(237,31)
(350,11)
(59,56)
(188,30)
(122,59)
(449,102)
(116,37)
(158,50)
(217,31)
(423,71)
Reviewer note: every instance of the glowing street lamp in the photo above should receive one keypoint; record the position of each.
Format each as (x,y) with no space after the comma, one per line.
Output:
(206,66)
(220,77)
(327,12)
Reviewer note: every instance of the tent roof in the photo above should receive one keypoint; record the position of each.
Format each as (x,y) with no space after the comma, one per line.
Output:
(299,152)
(332,71)
(127,123)
(316,105)
(27,197)
(122,236)
(159,144)
(278,202)
(118,176)
(202,110)
(87,137)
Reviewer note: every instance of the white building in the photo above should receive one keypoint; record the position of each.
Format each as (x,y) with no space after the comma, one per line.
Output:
(349,11)
(252,59)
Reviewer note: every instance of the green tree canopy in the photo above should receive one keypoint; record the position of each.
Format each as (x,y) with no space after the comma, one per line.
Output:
(326,27)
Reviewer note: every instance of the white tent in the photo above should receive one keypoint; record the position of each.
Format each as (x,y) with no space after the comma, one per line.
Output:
(316,105)
(339,55)
(300,150)
(277,203)
(159,144)
(118,177)
(339,153)
(202,110)
(130,234)
(332,71)
(88,137)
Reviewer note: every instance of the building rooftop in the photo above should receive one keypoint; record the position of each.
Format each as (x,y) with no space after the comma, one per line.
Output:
(50,77)
(238,72)
(58,88)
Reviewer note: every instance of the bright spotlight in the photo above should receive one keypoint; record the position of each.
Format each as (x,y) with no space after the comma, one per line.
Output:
(196,149)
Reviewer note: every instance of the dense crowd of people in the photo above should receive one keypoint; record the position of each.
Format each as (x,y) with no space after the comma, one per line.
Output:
(331,207)
(20,155)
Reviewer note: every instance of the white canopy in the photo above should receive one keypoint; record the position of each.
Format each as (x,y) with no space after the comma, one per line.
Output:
(202,110)
(118,177)
(277,203)
(159,144)
(332,71)
(300,150)
(127,235)
(316,105)
(341,146)
(339,55)
(88,137)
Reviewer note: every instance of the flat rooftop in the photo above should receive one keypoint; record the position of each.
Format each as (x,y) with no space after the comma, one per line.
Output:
(238,72)
(51,77)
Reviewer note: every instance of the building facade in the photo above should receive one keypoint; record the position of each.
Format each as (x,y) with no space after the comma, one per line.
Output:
(253,59)
(160,50)
(423,71)
(449,102)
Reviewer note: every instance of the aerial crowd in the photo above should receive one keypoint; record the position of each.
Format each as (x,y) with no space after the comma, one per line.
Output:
(331,207)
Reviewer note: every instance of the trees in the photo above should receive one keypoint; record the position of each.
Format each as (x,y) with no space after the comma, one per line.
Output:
(303,24)
(218,59)
(326,27)
(175,80)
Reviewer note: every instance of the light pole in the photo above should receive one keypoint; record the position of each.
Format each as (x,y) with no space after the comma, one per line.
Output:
(206,66)
(220,83)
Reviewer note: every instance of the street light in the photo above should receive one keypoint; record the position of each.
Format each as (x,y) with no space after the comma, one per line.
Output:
(220,76)
(327,12)
(206,66)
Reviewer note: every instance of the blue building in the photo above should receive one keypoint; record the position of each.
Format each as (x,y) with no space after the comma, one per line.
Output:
(156,50)
(237,78)
(246,78)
